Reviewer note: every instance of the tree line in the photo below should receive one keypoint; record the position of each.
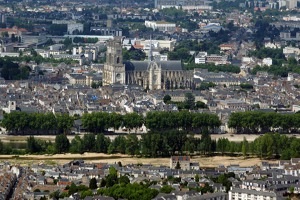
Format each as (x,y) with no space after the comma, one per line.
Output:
(211,67)
(152,144)
(253,122)
(37,123)
(183,120)
(163,144)
(267,146)
(250,122)
(155,121)
(99,122)
(85,40)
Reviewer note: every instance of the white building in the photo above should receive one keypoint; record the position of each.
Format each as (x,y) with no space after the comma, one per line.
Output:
(291,18)
(245,194)
(101,38)
(161,26)
(291,4)
(11,107)
(267,62)
(272,45)
(201,58)
(156,44)
(56,47)
(80,58)
(9,54)
(163,57)
(247,60)
(217,59)
(75,27)
(281,3)
(291,52)
(184,4)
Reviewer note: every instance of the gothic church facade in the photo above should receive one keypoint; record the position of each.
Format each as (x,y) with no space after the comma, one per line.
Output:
(149,74)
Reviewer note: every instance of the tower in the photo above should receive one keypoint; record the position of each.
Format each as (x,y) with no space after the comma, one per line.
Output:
(114,69)
(12,105)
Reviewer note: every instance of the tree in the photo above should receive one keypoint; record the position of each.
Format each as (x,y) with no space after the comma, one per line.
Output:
(72,189)
(55,194)
(206,143)
(112,177)
(133,120)
(200,104)
(133,191)
(93,184)
(167,98)
(86,193)
(62,143)
(1,147)
(291,189)
(166,189)
(64,123)
(230,25)
(102,143)
(189,101)
(246,86)
(177,165)
(77,145)
(124,180)
(197,178)
(32,145)
(132,145)
(115,120)
(223,145)
(88,142)
(245,147)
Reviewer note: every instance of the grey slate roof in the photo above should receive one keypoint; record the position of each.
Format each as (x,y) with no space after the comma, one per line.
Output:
(143,65)
(209,196)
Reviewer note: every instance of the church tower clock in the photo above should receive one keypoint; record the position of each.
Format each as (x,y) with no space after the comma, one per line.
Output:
(114,69)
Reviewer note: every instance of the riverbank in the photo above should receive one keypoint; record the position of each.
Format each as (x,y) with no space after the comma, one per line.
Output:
(213,161)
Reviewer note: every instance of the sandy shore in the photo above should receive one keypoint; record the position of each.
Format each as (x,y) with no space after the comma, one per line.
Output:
(214,161)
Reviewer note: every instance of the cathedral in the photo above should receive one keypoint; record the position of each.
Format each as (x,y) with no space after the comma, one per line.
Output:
(149,74)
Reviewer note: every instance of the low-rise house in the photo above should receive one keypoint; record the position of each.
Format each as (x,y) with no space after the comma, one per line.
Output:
(183,162)
(258,185)
(63,183)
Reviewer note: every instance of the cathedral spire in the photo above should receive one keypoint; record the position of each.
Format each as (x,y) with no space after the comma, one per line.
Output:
(150,50)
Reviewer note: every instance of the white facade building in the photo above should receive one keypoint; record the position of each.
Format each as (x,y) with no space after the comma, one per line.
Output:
(161,26)
(291,4)
(291,50)
(157,44)
(201,58)
(75,27)
(267,62)
(245,194)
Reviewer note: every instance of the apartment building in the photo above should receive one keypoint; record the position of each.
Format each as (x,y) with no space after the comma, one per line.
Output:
(161,26)
(245,194)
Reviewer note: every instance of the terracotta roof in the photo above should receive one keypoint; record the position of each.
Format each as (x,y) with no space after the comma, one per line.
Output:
(180,158)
